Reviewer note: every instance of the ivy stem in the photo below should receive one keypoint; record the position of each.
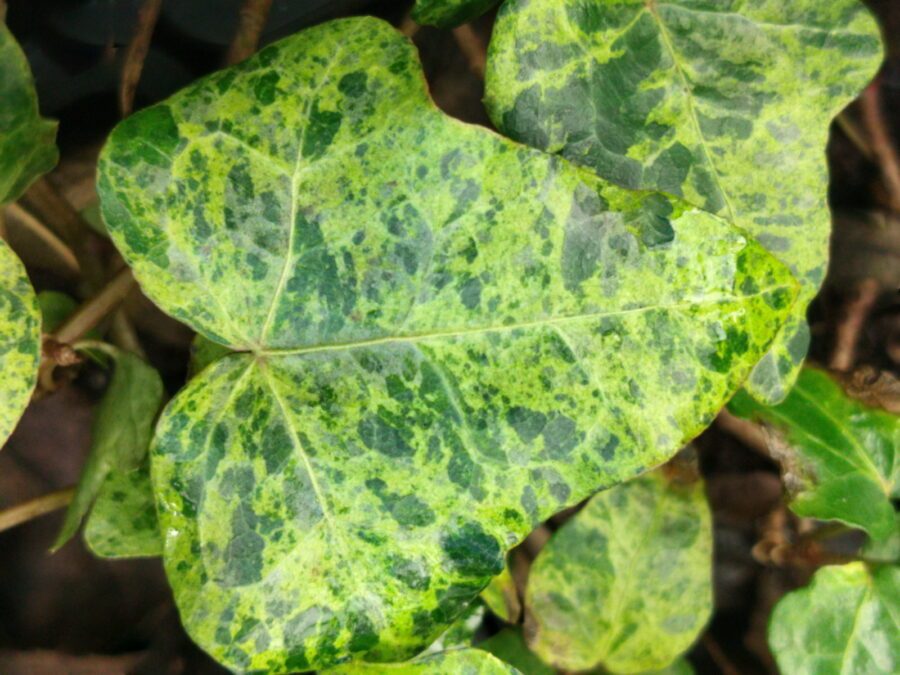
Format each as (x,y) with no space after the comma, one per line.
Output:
(472,47)
(137,50)
(48,503)
(62,250)
(253,16)
(92,312)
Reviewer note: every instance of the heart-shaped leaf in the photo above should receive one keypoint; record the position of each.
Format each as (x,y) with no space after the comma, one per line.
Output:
(840,457)
(456,661)
(726,104)
(627,583)
(846,621)
(449,13)
(27,141)
(445,338)
(20,340)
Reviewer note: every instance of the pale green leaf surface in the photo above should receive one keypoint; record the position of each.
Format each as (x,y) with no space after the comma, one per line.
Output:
(726,103)
(122,523)
(445,338)
(627,582)
(462,631)
(120,435)
(884,550)
(27,141)
(203,353)
(20,340)
(501,596)
(841,458)
(846,622)
(452,662)
(449,13)
(55,307)
(509,646)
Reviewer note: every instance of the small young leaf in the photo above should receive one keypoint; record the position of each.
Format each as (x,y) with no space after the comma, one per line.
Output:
(122,522)
(727,104)
(846,621)
(55,307)
(455,662)
(27,141)
(445,338)
(509,646)
(121,433)
(501,596)
(20,340)
(449,13)
(626,583)
(839,457)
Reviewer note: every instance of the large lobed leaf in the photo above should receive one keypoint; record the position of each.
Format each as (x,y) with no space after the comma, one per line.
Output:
(726,103)
(841,458)
(20,340)
(449,13)
(846,622)
(451,662)
(27,141)
(627,583)
(443,339)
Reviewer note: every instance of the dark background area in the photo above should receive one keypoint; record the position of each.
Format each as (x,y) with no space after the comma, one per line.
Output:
(72,613)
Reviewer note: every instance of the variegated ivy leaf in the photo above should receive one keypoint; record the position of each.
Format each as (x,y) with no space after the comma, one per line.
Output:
(847,622)
(840,458)
(452,662)
(442,338)
(27,141)
(120,438)
(20,340)
(462,632)
(726,103)
(627,583)
(122,522)
(509,646)
(449,13)
(502,597)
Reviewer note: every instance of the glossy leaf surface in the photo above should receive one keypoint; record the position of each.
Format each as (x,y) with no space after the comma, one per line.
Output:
(449,13)
(727,104)
(841,459)
(453,662)
(445,338)
(120,436)
(20,340)
(846,622)
(27,141)
(122,523)
(627,582)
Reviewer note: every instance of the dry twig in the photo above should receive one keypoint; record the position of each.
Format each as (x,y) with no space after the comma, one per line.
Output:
(882,144)
(253,16)
(136,54)
(847,332)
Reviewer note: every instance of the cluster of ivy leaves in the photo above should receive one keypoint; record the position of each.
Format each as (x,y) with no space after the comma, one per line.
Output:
(418,339)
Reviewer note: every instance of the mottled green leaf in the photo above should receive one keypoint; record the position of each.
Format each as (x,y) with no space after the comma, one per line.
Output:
(444,338)
(122,522)
(453,662)
(462,632)
(502,598)
(449,13)
(120,436)
(726,103)
(20,340)
(678,667)
(203,353)
(840,458)
(626,583)
(509,646)
(27,141)
(846,622)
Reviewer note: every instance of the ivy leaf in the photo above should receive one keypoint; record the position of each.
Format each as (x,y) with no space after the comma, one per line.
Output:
(502,597)
(885,550)
(509,646)
(20,340)
(839,457)
(626,583)
(443,338)
(27,141)
(120,436)
(846,621)
(122,522)
(462,661)
(449,13)
(462,632)
(726,104)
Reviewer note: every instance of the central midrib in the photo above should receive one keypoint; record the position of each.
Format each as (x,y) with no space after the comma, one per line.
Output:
(539,323)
